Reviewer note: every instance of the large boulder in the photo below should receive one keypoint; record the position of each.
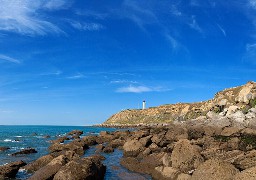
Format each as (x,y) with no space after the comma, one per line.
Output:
(237,117)
(48,171)
(39,163)
(10,170)
(215,169)
(185,156)
(246,160)
(83,169)
(133,148)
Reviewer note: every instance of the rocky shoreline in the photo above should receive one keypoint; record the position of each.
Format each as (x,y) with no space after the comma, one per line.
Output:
(213,148)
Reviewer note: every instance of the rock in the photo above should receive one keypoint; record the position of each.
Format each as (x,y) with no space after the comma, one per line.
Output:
(231,110)
(154,148)
(132,148)
(223,102)
(176,133)
(167,160)
(48,171)
(185,156)
(146,165)
(183,176)
(85,168)
(117,143)
(246,161)
(90,140)
(212,115)
(220,123)
(47,136)
(252,110)
(75,132)
(25,151)
(248,174)
(146,141)
(230,131)
(215,169)
(4,148)
(237,116)
(164,173)
(39,163)
(108,149)
(10,170)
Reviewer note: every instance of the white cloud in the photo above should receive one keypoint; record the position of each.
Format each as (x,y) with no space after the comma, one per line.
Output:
(194,25)
(252,3)
(21,16)
(250,54)
(123,81)
(222,30)
(174,42)
(140,89)
(134,89)
(9,59)
(87,26)
(77,76)
(57,4)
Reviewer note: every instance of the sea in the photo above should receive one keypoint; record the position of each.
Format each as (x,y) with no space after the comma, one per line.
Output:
(21,137)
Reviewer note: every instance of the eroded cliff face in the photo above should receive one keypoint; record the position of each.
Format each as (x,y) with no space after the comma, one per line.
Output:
(224,103)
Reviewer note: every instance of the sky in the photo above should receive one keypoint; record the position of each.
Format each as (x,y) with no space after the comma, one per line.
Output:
(77,62)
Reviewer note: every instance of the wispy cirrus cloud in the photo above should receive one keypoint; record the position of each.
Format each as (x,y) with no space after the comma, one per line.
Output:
(123,82)
(250,53)
(140,89)
(22,16)
(76,76)
(57,4)
(86,26)
(9,59)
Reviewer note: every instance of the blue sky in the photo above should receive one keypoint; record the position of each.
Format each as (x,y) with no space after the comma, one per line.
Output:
(77,62)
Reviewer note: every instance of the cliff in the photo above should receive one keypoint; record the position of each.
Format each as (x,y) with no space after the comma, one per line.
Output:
(224,103)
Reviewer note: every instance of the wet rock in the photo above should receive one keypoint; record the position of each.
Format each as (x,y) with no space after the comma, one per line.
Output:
(117,143)
(10,170)
(108,149)
(4,148)
(90,140)
(85,168)
(25,151)
(48,171)
(47,136)
(75,132)
(215,169)
(185,156)
(39,163)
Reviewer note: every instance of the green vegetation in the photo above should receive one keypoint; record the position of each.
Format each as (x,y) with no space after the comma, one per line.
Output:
(221,138)
(252,102)
(247,142)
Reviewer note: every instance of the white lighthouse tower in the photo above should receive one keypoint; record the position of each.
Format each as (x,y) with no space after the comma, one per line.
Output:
(144,104)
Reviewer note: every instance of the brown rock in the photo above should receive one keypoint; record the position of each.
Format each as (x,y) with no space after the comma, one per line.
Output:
(246,161)
(108,149)
(86,168)
(185,156)
(183,176)
(3,148)
(25,151)
(176,133)
(90,140)
(39,163)
(230,131)
(132,148)
(10,170)
(165,173)
(48,171)
(215,169)
(248,174)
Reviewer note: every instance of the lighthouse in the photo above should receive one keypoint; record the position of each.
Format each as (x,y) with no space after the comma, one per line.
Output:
(144,104)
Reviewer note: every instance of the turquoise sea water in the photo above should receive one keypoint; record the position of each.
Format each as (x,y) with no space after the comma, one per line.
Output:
(20,137)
